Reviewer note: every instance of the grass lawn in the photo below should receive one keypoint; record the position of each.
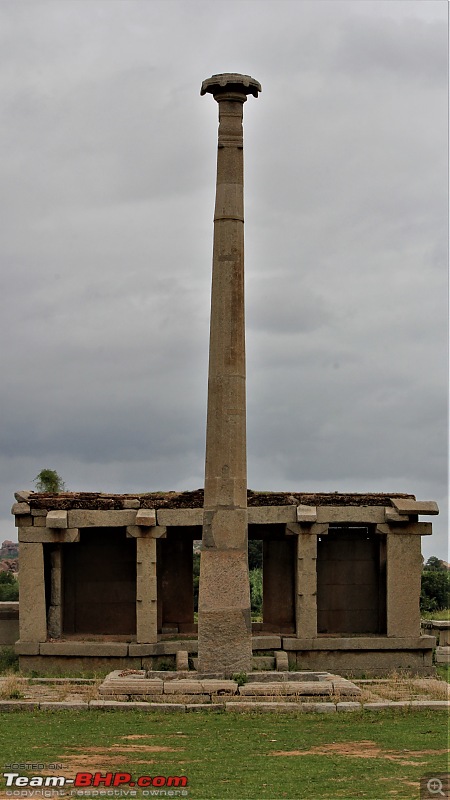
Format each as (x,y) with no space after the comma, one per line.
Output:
(375,755)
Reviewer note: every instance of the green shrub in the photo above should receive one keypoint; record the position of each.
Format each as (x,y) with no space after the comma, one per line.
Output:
(435,591)
(48,480)
(9,587)
(9,662)
(256,590)
(241,678)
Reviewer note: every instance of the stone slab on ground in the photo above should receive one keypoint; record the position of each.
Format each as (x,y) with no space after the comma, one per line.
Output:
(183,687)
(321,708)
(345,687)
(348,706)
(50,705)
(117,705)
(127,673)
(18,705)
(430,704)
(385,705)
(131,687)
(220,686)
(288,687)
(166,707)
(300,675)
(248,706)
(205,706)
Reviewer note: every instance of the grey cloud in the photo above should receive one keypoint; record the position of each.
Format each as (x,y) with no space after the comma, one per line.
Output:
(107,167)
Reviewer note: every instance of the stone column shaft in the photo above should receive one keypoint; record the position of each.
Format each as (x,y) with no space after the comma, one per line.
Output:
(146,593)
(404,568)
(32,615)
(224,628)
(55,611)
(226,466)
(306,611)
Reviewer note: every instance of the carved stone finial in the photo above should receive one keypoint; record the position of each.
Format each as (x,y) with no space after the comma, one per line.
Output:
(231,82)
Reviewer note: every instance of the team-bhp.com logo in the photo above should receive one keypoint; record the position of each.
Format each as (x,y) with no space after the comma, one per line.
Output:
(93,780)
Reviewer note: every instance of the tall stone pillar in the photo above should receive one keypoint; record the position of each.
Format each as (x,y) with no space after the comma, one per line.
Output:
(224,622)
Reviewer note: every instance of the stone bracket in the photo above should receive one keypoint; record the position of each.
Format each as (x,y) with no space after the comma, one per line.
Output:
(152,532)
(407,529)
(315,528)
(56,519)
(392,515)
(306,514)
(146,517)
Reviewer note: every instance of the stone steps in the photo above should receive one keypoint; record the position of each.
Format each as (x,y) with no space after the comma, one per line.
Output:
(239,706)
(194,688)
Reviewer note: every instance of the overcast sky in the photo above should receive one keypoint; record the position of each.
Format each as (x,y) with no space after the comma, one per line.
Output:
(107,178)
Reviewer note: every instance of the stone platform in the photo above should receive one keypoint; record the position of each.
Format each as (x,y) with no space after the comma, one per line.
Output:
(193,687)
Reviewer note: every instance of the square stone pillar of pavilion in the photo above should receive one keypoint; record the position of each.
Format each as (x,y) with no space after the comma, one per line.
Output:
(106,581)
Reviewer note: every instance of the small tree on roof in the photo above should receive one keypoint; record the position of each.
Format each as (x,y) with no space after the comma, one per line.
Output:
(48,480)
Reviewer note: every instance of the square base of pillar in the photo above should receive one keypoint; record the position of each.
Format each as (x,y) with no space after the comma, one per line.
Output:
(225,641)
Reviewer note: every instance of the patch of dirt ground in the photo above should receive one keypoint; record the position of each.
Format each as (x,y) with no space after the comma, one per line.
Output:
(103,759)
(363,749)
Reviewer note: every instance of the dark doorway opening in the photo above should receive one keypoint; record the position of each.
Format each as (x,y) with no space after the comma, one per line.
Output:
(351,581)
(100,583)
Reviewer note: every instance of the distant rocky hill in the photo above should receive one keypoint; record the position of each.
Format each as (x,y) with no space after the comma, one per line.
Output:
(9,556)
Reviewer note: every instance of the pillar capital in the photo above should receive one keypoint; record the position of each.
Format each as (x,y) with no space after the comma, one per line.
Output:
(231,86)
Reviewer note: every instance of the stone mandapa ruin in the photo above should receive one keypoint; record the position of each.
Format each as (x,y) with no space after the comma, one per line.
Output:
(107,580)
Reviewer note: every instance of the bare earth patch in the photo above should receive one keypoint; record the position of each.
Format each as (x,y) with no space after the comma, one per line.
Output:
(98,759)
(362,749)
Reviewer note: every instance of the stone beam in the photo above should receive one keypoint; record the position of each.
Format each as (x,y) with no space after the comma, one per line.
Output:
(409,506)
(347,514)
(49,535)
